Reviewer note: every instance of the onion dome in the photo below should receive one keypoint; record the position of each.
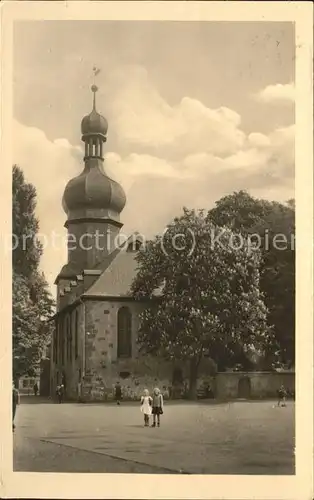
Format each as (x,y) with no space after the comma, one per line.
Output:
(94,123)
(94,191)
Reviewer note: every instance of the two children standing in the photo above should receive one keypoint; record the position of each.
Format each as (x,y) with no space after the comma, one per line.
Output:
(152,406)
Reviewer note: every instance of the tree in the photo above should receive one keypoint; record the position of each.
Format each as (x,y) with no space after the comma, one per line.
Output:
(24,327)
(271,226)
(27,250)
(239,211)
(209,302)
(32,303)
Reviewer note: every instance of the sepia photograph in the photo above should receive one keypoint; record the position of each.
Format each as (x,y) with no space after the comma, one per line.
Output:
(153,247)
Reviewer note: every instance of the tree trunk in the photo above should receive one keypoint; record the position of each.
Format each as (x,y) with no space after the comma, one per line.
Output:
(193,379)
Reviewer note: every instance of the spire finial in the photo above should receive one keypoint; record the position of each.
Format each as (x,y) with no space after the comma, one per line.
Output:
(94,86)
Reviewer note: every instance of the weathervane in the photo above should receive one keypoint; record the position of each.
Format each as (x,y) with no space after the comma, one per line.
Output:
(96,71)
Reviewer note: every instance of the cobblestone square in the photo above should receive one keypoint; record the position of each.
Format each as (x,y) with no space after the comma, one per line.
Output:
(194,438)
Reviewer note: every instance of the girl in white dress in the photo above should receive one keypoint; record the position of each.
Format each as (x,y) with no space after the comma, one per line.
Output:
(146,407)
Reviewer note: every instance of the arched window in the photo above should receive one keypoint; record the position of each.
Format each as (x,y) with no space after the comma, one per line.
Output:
(124,333)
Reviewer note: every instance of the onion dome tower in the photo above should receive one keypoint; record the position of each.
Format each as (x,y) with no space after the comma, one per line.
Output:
(92,201)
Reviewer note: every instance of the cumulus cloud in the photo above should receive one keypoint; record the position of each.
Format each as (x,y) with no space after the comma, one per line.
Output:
(142,118)
(279,93)
(186,154)
(49,165)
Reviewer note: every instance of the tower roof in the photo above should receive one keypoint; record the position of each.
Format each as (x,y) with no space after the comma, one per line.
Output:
(93,193)
(94,123)
(93,189)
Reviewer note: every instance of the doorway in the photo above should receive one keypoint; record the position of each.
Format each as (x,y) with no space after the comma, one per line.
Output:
(244,388)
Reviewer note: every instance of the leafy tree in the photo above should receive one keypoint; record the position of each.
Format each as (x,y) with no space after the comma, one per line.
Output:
(32,302)
(27,250)
(239,211)
(271,226)
(209,303)
(24,327)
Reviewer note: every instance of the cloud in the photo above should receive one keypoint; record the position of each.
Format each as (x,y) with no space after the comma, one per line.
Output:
(49,165)
(279,93)
(141,118)
(258,140)
(181,155)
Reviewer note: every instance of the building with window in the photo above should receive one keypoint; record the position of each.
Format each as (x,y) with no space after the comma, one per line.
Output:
(96,322)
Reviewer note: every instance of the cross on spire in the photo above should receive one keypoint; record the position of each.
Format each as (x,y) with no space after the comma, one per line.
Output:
(96,71)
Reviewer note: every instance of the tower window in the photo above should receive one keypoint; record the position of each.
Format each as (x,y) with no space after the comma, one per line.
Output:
(124,333)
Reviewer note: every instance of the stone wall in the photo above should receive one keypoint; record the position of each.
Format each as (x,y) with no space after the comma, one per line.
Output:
(102,366)
(262,385)
(252,385)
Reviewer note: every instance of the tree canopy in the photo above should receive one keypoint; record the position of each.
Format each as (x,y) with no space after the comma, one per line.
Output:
(32,303)
(27,250)
(209,302)
(272,227)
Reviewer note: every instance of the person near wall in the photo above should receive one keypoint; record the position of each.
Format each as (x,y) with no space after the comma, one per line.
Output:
(146,407)
(64,384)
(157,406)
(35,388)
(118,393)
(79,392)
(15,402)
(282,394)
(60,393)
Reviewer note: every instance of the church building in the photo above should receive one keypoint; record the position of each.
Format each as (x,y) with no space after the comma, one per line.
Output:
(94,344)
(96,322)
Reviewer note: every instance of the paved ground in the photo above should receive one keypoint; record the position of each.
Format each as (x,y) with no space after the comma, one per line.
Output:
(194,438)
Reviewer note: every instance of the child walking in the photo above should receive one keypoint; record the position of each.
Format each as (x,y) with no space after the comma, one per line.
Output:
(146,407)
(282,394)
(158,406)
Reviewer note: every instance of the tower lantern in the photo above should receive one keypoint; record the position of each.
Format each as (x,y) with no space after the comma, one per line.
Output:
(94,129)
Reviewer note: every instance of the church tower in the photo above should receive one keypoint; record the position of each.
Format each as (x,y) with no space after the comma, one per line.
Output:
(92,202)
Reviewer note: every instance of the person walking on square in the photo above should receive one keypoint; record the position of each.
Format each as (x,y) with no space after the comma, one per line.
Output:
(282,396)
(57,391)
(60,393)
(118,393)
(15,402)
(35,388)
(157,406)
(146,407)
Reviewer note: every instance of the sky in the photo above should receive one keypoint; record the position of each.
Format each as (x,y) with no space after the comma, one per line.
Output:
(196,111)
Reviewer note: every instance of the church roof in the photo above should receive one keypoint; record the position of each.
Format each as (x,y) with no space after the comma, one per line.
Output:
(119,270)
(117,279)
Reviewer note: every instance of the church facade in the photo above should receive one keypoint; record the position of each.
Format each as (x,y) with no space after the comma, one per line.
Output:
(96,322)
